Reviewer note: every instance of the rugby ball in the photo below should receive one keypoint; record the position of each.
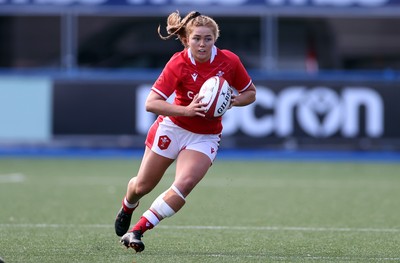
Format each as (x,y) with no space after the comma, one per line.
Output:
(217,95)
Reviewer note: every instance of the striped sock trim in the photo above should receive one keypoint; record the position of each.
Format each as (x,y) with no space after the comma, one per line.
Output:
(151,217)
(129,205)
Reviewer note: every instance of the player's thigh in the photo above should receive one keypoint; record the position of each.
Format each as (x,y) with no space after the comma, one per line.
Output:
(191,167)
(151,169)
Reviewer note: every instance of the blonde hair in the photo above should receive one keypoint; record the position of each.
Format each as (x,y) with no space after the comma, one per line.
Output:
(183,27)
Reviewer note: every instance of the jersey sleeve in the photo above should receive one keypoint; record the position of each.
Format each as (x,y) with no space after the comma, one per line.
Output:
(241,80)
(167,81)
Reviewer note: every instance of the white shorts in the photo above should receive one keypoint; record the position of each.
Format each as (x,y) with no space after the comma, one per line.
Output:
(168,139)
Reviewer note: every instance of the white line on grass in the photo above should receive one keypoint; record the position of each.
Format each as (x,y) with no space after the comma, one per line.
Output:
(296,258)
(244,228)
(12,178)
(277,228)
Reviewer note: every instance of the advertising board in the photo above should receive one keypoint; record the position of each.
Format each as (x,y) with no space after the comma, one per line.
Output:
(314,112)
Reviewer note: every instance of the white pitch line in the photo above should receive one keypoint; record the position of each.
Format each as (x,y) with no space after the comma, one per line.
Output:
(276,228)
(295,258)
(244,228)
(12,178)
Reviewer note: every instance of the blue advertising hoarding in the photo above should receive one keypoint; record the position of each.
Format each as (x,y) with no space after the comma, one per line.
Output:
(309,113)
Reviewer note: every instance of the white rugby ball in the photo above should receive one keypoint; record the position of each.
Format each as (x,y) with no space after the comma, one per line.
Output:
(217,94)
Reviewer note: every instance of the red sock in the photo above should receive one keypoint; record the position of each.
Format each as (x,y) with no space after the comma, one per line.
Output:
(127,209)
(142,225)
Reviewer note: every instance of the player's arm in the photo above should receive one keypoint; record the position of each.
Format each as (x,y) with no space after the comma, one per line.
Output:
(244,98)
(157,104)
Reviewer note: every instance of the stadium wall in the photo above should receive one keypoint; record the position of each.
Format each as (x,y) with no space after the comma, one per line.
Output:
(290,113)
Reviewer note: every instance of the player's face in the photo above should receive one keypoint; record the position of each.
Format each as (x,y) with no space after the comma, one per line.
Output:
(201,41)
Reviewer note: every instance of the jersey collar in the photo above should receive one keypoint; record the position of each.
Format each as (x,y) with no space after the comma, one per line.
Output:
(213,54)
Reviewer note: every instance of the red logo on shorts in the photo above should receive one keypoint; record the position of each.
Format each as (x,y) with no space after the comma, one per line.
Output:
(212,150)
(163,142)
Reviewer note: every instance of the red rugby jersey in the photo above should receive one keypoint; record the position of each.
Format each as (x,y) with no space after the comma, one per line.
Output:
(184,76)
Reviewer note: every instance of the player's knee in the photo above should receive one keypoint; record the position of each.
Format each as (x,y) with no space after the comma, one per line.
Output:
(138,188)
(142,189)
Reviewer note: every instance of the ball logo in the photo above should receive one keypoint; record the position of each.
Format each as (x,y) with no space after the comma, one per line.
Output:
(227,98)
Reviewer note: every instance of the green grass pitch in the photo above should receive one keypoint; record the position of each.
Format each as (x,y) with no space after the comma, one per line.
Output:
(63,210)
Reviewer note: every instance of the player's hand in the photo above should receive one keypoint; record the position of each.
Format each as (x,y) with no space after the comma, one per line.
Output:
(196,107)
(233,100)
